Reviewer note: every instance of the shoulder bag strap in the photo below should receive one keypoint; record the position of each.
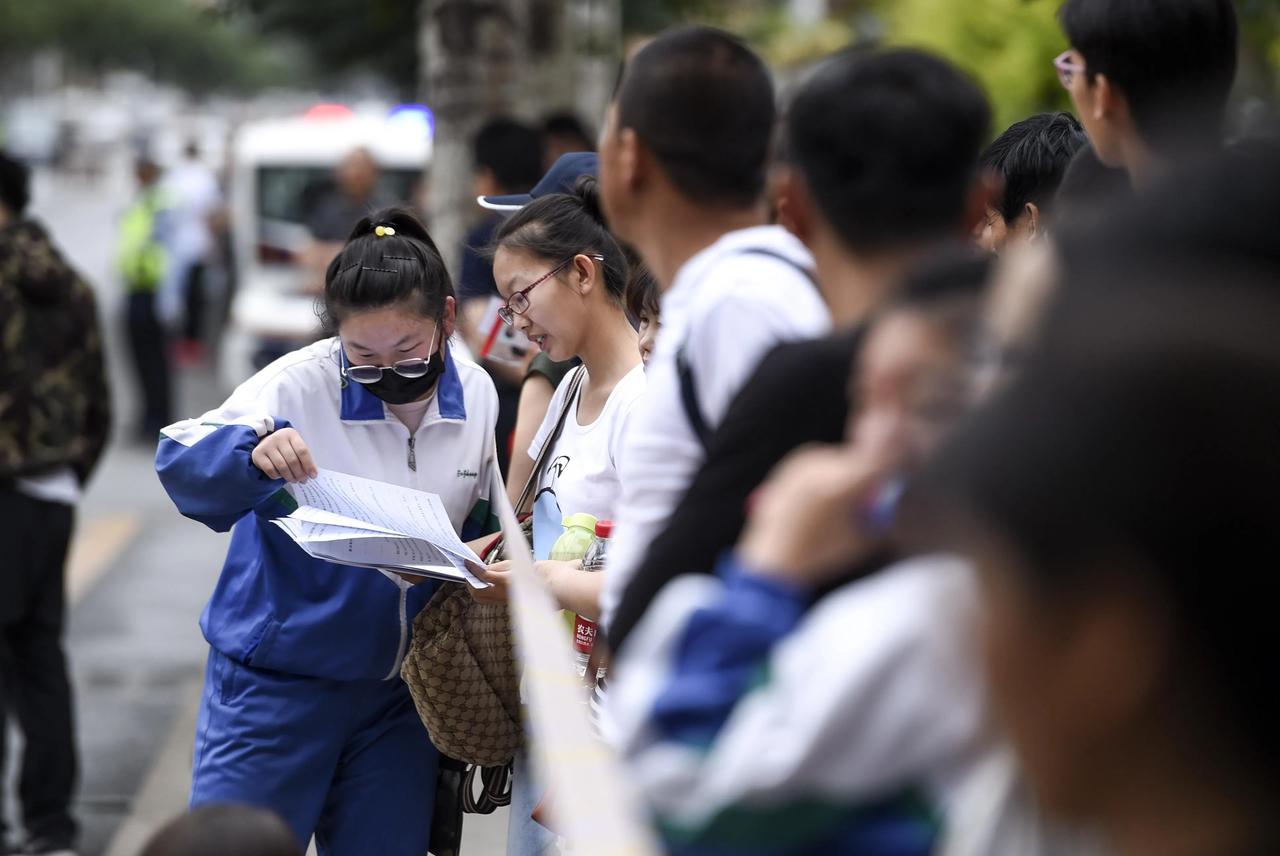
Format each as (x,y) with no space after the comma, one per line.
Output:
(569,400)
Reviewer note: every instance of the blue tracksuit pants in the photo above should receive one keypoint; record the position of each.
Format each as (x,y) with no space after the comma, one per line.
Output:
(346,760)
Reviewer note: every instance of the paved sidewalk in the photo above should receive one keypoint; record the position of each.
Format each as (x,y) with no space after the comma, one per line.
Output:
(164,794)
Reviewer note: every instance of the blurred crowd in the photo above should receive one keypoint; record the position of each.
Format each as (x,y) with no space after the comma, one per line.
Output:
(934,472)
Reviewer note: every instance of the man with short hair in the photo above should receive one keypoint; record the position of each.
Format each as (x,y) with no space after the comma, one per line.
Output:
(506,159)
(882,152)
(55,413)
(1149,78)
(683,161)
(1029,160)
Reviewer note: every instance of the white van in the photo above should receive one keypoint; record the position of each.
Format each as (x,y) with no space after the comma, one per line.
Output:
(277,165)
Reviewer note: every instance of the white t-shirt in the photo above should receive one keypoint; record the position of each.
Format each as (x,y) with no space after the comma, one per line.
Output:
(581,471)
(728,307)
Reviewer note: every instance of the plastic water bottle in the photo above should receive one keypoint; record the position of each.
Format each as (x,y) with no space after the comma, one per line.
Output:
(572,546)
(584,629)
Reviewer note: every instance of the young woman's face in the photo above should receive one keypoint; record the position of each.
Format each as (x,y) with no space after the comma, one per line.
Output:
(388,334)
(911,386)
(558,313)
(649,327)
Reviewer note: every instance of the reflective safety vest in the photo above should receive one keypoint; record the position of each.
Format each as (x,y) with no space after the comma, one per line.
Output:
(141,255)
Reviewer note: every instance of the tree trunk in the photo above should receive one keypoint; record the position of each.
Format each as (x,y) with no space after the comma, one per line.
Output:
(473,50)
(520,58)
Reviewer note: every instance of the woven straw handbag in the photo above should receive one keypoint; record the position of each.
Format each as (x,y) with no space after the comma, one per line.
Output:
(461,667)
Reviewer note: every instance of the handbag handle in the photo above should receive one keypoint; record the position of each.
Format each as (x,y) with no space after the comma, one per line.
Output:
(529,485)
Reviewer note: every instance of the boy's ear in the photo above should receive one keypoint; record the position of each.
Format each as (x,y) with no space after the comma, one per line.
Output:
(793,203)
(1104,97)
(1032,212)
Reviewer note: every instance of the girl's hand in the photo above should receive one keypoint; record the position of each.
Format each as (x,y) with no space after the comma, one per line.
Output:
(553,573)
(283,455)
(497,576)
(804,523)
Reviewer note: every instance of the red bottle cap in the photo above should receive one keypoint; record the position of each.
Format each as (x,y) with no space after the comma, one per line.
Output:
(604,528)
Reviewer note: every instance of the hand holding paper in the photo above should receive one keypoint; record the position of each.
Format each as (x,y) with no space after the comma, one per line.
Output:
(357,521)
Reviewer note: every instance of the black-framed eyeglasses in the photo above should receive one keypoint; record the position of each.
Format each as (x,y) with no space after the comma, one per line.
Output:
(412,368)
(518,303)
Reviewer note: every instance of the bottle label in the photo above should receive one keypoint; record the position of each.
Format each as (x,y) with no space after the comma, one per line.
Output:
(584,634)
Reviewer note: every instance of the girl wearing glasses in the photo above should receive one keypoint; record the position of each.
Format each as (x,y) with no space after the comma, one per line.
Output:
(563,277)
(304,711)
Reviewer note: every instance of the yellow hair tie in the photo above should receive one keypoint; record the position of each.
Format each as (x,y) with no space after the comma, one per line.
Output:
(383,231)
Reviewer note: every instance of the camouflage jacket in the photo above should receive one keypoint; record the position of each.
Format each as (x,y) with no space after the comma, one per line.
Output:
(55,407)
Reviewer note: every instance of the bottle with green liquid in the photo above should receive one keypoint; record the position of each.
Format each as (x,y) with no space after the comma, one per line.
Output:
(571,546)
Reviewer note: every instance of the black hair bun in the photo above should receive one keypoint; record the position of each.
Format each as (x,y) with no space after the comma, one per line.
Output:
(405,223)
(587,191)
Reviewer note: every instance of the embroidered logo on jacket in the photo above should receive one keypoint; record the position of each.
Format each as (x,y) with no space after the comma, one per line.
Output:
(468,474)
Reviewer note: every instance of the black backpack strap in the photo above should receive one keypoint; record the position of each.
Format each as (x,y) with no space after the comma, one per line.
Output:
(684,371)
(689,397)
(786,260)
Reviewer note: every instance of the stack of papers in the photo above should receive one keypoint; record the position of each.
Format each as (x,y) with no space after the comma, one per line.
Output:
(357,521)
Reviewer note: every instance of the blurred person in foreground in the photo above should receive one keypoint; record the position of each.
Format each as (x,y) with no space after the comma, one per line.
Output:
(1118,503)
(812,642)
(882,152)
(224,829)
(683,161)
(1149,78)
(55,413)
(142,259)
(823,688)
(1028,159)
(1118,500)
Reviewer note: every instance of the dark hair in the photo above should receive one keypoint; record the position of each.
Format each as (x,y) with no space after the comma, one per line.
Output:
(511,151)
(561,225)
(15,184)
(1089,188)
(1173,61)
(954,270)
(703,104)
(641,297)
(887,143)
(1030,158)
(1218,215)
(568,125)
(373,271)
(948,286)
(1141,426)
(224,829)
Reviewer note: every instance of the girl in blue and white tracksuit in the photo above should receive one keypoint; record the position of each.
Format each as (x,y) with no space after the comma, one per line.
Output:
(304,711)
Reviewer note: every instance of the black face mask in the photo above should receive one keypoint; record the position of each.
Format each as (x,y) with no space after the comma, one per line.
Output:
(397,389)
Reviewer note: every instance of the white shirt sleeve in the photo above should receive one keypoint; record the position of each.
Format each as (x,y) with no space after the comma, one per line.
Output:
(875,689)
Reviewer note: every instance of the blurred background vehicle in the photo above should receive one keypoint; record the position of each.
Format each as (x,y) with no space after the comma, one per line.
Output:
(280,169)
